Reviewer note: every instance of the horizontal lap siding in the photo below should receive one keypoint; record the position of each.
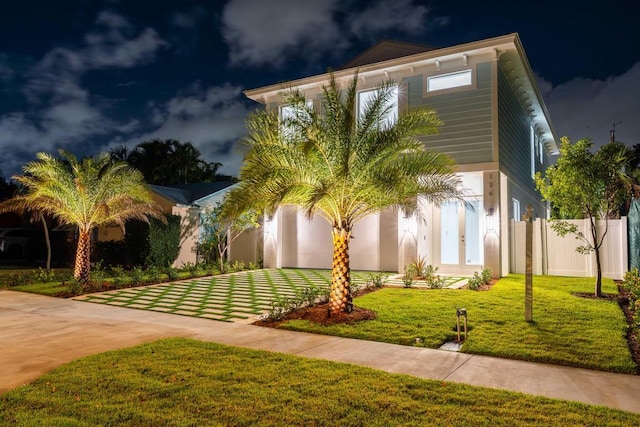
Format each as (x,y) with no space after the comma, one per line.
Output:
(467,131)
(514,135)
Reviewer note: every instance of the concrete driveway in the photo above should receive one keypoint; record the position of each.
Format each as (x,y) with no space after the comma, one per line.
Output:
(39,333)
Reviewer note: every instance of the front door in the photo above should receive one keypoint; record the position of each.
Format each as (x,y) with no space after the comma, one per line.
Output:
(461,237)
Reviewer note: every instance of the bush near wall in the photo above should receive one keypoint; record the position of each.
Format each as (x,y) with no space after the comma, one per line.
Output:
(164,242)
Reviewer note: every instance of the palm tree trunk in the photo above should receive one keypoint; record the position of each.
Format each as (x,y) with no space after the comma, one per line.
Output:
(83,266)
(47,240)
(340,299)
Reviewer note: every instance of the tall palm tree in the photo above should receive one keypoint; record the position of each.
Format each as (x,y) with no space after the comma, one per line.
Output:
(341,167)
(85,193)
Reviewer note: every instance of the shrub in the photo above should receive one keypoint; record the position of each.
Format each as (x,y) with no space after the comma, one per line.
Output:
(433,280)
(154,273)
(475,282)
(172,273)
(43,275)
(409,274)
(190,268)
(163,242)
(254,265)
(486,275)
(75,287)
(419,267)
(116,271)
(377,280)
(137,275)
(631,284)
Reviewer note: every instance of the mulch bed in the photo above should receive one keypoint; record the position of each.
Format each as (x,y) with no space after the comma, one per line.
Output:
(318,314)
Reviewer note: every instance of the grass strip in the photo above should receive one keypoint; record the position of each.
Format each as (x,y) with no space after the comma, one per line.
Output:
(183,382)
(567,329)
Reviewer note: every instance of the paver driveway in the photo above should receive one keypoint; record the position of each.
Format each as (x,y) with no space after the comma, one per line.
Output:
(235,297)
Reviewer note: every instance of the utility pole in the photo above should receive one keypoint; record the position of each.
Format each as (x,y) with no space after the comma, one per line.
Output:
(612,131)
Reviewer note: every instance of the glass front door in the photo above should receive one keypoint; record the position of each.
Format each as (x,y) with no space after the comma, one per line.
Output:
(461,236)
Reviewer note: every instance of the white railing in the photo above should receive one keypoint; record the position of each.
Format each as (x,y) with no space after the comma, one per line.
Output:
(556,256)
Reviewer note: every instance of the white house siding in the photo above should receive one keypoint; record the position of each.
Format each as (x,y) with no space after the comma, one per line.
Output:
(307,243)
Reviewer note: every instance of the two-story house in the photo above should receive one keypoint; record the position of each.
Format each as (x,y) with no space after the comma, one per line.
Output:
(496,127)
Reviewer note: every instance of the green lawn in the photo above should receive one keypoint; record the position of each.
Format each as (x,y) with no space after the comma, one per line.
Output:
(567,330)
(181,382)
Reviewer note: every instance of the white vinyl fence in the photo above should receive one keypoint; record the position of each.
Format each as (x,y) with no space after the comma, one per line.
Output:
(556,256)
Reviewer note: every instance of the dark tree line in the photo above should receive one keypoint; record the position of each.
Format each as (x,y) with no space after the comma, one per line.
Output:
(7,188)
(169,162)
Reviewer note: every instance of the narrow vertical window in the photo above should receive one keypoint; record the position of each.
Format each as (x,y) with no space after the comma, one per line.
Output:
(541,150)
(365,97)
(532,142)
(516,209)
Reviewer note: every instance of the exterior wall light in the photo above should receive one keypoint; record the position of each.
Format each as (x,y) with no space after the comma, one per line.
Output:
(490,224)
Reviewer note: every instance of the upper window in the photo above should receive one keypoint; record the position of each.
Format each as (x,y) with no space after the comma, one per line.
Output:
(288,112)
(366,96)
(532,141)
(448,81)
(540,149)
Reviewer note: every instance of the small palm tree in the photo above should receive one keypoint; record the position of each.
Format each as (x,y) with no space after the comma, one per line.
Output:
(340,166)
(85,193)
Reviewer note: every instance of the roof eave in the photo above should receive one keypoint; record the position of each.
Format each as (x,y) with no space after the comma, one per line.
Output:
(477,47)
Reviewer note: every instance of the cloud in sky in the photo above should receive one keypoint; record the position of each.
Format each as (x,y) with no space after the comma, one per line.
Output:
(383,15)
(269,33)
(212,119)
(259,32)
(61,112)
(586,107)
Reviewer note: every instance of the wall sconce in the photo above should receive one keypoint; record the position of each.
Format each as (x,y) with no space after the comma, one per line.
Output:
(269,226)
(409,223)
(490,224)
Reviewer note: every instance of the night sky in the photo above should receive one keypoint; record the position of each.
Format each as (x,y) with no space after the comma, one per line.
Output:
(91,75)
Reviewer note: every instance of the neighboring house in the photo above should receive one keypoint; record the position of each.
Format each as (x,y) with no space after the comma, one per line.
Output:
(496,127)
(190,201)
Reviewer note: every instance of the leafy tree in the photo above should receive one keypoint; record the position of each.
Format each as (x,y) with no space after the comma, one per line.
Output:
(341,167)
(7,189)
(583,184)
(221,229)
(169,162)
(85,193)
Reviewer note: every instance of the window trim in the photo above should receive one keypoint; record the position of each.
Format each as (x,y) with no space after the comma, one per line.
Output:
(462,86)
(395,100)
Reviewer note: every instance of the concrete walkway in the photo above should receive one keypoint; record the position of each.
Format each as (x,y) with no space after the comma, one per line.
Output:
(39,333)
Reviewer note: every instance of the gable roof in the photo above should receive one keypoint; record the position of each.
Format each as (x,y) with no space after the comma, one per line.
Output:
(191,194)
(385,50)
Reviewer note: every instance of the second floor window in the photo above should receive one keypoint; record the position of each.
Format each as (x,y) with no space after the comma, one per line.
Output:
(365,98)
(287,113)
(449,81)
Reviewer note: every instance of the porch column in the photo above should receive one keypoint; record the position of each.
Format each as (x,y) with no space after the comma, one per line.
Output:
(493,223)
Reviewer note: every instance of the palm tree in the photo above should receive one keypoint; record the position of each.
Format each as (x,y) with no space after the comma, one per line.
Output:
(85,193)
(341,167)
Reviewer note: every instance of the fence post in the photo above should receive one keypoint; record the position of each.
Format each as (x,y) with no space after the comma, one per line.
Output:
(528,292)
